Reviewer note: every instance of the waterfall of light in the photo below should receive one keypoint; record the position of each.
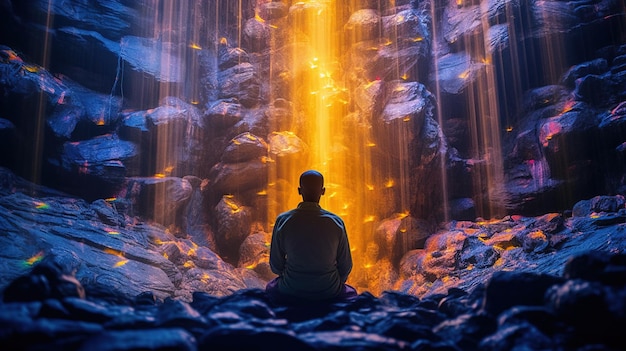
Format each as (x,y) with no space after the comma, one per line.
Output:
(437,92)
(319,112)
(177,34)
(485,119)
(483,116)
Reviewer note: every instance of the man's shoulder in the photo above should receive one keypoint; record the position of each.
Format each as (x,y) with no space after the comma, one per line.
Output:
(332,215)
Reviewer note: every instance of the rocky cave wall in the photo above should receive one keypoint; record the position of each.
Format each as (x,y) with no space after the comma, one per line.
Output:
(82,116)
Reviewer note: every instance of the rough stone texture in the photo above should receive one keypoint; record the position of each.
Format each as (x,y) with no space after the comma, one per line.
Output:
(508,312)
(563,142)
(108,250)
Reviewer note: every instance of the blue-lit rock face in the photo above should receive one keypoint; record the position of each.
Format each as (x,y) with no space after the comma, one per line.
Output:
(96,278)
(150,131)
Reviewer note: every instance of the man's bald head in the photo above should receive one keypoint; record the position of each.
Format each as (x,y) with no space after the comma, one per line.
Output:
(311,186)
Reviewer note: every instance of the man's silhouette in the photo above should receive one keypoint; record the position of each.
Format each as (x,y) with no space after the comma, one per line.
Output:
(310,250)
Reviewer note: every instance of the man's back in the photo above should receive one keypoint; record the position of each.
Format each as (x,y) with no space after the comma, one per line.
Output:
(310,252)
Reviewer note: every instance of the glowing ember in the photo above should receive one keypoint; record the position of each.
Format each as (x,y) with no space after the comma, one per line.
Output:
(120,263)
(234,208)
(34,259)
(41,205)
(548,131)
(113,252)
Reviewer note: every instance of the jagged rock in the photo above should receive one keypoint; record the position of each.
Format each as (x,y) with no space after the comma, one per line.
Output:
(273,10)
(456,71)
(522,335)
(408,57)
(233,220)
(254,254)
(577,314)
(459,21)
(597,90)
(108,213)
(257,35)
(597,267)
(286,144)
(598,66)
(398,234)
(224,113)
(230,57)
(363,25)
(236,178)
(240,82)
(508,289)
(476,254)
(103,159)
(467,330)
(147,54)
(158,198)
(406,102)
(109,259)
(587,307)
(25,79)
(48,280)
(407,27)
(115,17)
(369,98)
(244,147)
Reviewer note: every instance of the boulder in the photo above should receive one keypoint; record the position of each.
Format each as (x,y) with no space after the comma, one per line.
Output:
(160,199)
(369,98)
(105,159)
(399,234)
(273,10)
(475,253)
(508,289)
(224,113)
(238,178)
(230,57)
(244,147)
(456,72)
(240,82)
(233,226)
(254,254)
(257,35)
(363,25)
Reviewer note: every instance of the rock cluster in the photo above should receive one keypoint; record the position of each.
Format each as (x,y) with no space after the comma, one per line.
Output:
(413,76)
(582,309)
(104,248)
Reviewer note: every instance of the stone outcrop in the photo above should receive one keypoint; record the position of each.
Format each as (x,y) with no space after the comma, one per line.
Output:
(512,309)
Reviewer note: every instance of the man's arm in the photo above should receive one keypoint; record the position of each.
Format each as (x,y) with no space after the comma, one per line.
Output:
(344,257)
(277,255)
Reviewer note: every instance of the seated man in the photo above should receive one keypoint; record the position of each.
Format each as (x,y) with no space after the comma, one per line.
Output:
(310,250)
